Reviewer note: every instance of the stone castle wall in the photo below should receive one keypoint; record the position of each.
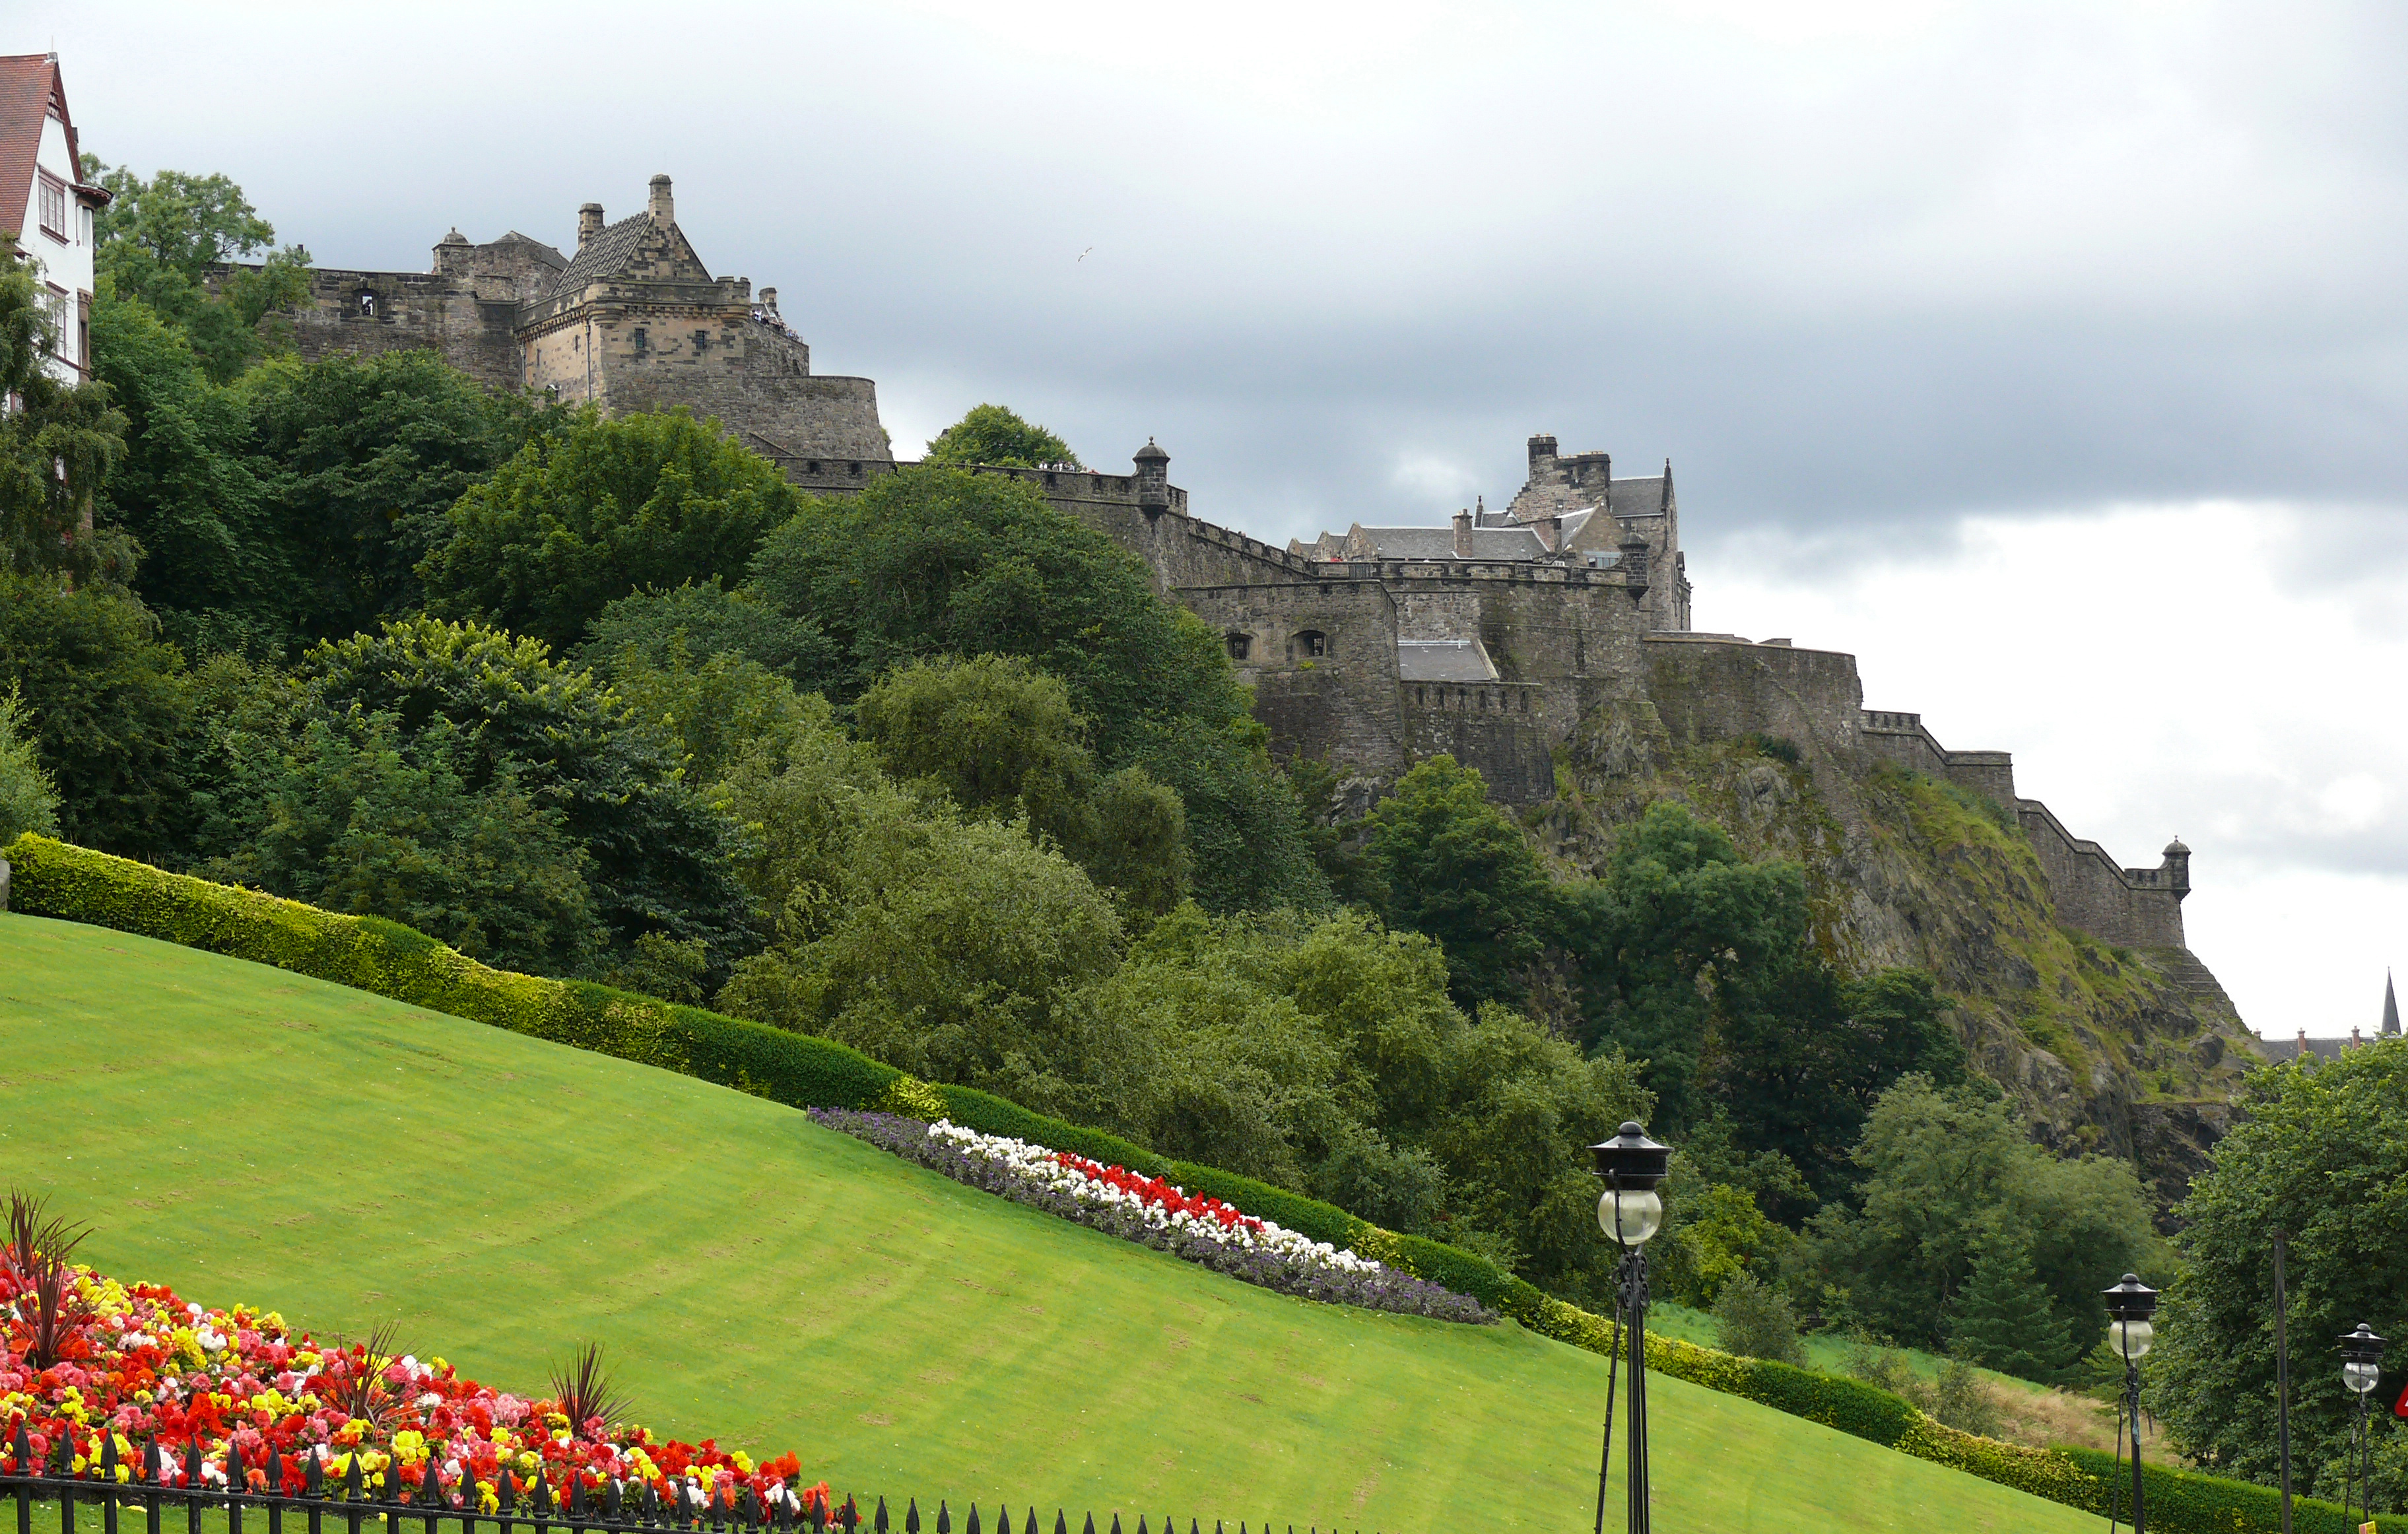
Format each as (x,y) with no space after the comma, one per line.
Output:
(370,313)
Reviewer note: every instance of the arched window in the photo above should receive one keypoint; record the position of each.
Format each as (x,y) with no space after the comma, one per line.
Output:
(1241,645)
(1310,645)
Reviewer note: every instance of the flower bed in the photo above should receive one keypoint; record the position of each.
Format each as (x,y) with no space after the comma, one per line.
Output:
(144,1366)
(1157,1213)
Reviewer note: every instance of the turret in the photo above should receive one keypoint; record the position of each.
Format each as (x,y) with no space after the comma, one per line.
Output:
(1634,563)
(661,207)
(1153,478)
(2178,868)
(451,255)
(1542,453)
(589,223)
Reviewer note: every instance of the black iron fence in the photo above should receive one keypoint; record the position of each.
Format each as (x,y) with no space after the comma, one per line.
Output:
(157,1488)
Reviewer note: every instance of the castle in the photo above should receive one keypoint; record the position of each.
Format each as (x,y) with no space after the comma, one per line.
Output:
(1490,639)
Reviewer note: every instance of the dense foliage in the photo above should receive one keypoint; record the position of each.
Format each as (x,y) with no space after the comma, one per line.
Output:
(996,434)
(2320,1152)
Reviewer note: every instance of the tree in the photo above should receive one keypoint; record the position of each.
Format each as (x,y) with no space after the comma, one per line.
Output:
(1755,1321)
(933,560)
(1944,1172)
(660,859)
(2321,1152)
(217,569)
(997,436)
(29,802)
(168,241)
(109,703)
(1451,865)
(57,447)
(702,619)
(370,822)
(605,509)
(359,459)
(2005,1319)
(1000,739)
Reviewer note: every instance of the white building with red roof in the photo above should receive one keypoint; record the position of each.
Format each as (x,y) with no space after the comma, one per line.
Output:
(45,204)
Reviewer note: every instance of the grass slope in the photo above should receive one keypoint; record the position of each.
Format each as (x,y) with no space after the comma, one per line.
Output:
(253,1136)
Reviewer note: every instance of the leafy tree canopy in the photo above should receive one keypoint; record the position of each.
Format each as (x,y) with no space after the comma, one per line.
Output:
(602,510)
(931,561)
(167,240)
(57,446)
(996,434)
(1948,1174)
(1451,865)
(2321,1152)
(660,857)
(109,703)
(29,802)
(702,619)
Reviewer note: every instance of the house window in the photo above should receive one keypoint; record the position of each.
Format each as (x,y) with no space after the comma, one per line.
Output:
(1312,645)
(83,224)
(54,209)
(1240,645)
(56,300)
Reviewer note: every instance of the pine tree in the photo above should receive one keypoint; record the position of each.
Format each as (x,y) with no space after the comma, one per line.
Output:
(2004,1319)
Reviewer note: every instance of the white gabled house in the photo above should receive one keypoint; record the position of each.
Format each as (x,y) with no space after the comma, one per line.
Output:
(45,204)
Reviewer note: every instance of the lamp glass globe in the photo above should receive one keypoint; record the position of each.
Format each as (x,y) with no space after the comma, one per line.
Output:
(1631,1217)
(2360,1377)
(2130,1339)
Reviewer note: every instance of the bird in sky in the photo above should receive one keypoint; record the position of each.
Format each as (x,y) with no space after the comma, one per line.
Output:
(1084,254)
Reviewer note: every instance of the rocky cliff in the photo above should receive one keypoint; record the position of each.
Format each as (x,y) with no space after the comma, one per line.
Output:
(2133,1052)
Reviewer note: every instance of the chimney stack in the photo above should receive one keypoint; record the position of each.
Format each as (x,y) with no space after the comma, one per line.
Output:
(1551,534)
(1462,534)
(589,223)
(661,207)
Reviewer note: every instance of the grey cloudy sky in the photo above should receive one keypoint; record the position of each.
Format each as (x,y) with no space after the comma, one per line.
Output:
(2052,357)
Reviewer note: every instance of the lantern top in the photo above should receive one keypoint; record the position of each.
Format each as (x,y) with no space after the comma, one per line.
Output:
(2361,1346)
(2131,1300)
(1631,1160)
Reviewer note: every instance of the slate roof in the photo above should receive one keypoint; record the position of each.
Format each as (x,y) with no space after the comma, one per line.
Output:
(1444,660)
(2280,1050)
(1639,497)
(609,251)
(1439,542)
(27,83)
(545,253)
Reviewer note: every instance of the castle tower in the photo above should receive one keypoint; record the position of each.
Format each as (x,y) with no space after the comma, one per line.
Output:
(2178,868)
(1153,478)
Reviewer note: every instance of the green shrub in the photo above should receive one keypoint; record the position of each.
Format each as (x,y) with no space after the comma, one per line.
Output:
(1755,1321)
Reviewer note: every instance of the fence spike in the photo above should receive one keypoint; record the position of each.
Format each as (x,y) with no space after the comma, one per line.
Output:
(25,1450)
(313,1475)
(1032,1519)
(851,1516)
(944,1518)
(880,1525)
(1061,1525)
(912,1517)
(506,1495)
(973,1526)
(1091,1523)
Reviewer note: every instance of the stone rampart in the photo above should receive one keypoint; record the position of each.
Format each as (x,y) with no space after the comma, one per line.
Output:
(2134,908)
(1498,727)
(1901,740)
(1709,687)
(371,313)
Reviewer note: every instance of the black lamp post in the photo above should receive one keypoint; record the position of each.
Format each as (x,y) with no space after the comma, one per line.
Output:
(1630,1211)
(2129,1305)
(2361,1367)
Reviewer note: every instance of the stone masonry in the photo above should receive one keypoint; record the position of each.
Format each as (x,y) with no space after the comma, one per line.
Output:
(631,321)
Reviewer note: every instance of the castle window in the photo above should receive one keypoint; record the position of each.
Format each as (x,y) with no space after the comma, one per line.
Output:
(1241,645)
(367,303)
(1312,645)
(702,340)
(637,336)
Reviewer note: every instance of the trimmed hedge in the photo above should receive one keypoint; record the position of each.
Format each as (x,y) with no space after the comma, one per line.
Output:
(369,954)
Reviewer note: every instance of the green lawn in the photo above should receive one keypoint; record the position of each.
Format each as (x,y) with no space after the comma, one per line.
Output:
(252,1136)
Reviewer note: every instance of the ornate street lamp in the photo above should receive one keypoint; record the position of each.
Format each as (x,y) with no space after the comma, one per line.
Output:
(2361,1367)
(1630,1211)
(2129,1305)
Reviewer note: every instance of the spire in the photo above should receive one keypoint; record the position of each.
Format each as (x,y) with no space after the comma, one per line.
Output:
(2390,1009)
(1666,504)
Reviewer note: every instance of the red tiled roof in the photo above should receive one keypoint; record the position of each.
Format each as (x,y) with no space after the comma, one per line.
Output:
(29,83)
